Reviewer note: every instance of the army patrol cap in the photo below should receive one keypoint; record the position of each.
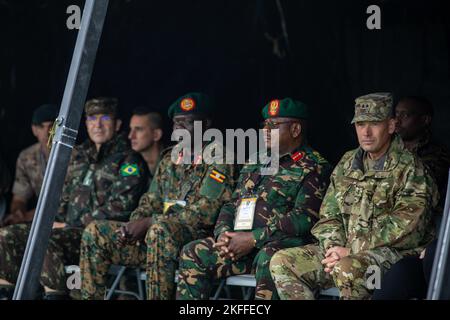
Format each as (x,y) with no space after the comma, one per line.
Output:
(373,107)
(105,105)
(285,108)
(191,103)
(46,112)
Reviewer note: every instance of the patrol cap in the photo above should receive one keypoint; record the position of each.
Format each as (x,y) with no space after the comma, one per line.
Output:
(373,107)
(192,103)
(106,105)
(285,108)
(45,112)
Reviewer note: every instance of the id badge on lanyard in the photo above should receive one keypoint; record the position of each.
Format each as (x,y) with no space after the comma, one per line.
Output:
(245,214)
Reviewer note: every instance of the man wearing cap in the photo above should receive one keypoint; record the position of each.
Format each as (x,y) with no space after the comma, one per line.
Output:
(266,212)
(105,180)
(30,167)
(181,205)
(376,210)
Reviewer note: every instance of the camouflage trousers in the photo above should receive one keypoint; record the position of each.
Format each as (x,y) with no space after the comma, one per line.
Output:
(298,273)
(63,249)
(201,264)
(158,255)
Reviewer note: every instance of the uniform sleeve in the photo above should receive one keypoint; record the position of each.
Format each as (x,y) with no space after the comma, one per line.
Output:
(202,209)
(124,193)
(151,203)
(297,222)
(22,186)
(405,227)
(330,230)
(67,190)
(227,213)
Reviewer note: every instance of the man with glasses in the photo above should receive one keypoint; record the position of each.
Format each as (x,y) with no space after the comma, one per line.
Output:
(266,212)
(181,205)
(105,180)
(376,210)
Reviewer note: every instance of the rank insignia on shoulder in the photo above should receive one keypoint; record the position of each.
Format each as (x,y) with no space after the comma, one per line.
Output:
(129,170)
(217,176)
(297,156)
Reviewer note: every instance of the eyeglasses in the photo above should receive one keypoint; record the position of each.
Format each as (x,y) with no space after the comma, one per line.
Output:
(104,117)
(273,124)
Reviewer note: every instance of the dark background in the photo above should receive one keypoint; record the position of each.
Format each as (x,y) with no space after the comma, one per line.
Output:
(152,52)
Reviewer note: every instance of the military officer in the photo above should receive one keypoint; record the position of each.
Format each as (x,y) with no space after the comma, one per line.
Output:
(30,167)
(105,180)
(376,210)
(181,205)
(266,212)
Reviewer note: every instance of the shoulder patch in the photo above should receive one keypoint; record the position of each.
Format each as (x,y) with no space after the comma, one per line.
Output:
(128,169)
(217,176)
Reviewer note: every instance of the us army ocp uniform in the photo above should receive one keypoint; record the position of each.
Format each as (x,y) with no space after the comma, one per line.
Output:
(380,213)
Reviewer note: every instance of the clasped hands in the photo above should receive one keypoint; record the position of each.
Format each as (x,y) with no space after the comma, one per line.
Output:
(235,245)
(332,256)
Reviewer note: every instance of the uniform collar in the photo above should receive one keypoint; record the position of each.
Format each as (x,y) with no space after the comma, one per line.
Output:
(354,167)
(117,144)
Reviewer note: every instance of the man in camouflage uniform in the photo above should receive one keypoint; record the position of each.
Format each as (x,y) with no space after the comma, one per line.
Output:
(104,181)
(414,116)
(30,167)
(285,207)
(376,210)
(146,131)
(409,277)
(181,205)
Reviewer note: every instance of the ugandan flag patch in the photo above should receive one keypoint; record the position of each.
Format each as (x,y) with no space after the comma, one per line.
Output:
(129,170)
(217,176)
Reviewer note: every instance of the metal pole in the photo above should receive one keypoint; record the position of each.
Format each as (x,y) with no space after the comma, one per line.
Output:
(438,287)
(67,125)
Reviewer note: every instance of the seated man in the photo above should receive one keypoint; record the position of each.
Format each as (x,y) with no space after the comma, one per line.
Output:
(105,180)
(146,131)
(30,167)
(266,213)
(181,205)
(409,277)
(376,210)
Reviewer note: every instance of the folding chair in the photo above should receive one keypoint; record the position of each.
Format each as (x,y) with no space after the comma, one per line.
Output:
(247,282)
(118,272)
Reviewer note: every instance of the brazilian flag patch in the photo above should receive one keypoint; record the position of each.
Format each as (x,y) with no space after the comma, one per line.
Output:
(129,170)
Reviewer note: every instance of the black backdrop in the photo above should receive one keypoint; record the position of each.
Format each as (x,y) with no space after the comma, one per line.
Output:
(151,52)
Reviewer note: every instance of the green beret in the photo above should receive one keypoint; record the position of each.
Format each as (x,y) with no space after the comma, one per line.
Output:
(285,108)
(191,103)
(46,112)
(105,105)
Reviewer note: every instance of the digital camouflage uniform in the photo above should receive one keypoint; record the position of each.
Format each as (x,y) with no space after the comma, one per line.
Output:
(183,203)
(99,185)
(203,187)
(286,209)
(30,170)
(380,213)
